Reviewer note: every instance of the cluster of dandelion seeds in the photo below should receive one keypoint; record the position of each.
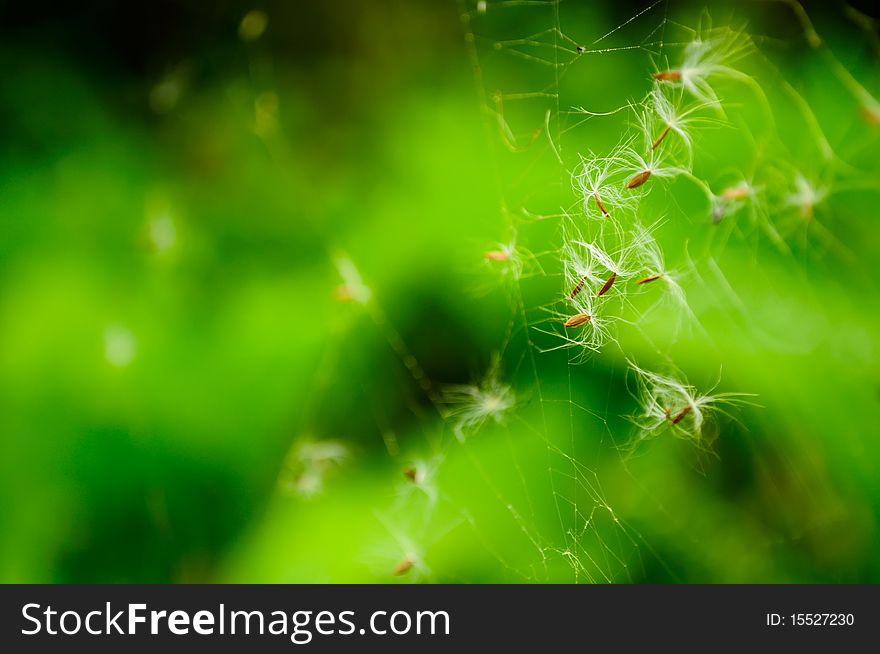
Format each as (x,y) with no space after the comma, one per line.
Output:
(610,273)
(612,266)
(669,404)
(470,406)
(611,262)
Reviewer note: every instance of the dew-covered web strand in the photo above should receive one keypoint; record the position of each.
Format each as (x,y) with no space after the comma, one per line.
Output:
(565,52)
(517,291)
(613,557)
(614,553)
(426,531)
(331,364)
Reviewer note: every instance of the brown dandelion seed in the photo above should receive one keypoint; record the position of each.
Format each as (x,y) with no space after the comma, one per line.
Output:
(661,137)
(681,414)
(649,278)
(871,114)
(496,255)
(607,285)
(580,49)
(403,567)
(535,134)
(343,293)
(577,289)
(667,76)
(735,192)
(807,211)
(638,179)
(410,473)
(600,205)
(578,320)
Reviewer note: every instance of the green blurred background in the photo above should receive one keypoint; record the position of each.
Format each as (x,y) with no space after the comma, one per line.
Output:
(184,396)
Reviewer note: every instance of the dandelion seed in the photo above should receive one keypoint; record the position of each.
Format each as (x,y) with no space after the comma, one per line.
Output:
(578,320)
(656,393)
(577,289)
(600,205)
(667,76)
(664,112)
(308,463)
(871,114)
(590,260)
(708,58)
(738,192)
(353,287)
(734,197)
(638,179)
(655,164)
(607,285)
(596,179)
(647,252)
(806,196)
(591,337)
(729,200)
(661,137)
(681,414)
(471,406)
(580,49)
(510,261)
(403,567)
(496,255)
(419,478)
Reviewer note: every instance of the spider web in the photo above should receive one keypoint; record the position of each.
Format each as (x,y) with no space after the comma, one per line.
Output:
(585,539)
(559,102)
(569,488)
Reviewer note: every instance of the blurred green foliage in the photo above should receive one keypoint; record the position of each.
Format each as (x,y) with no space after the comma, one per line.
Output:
(175,198)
